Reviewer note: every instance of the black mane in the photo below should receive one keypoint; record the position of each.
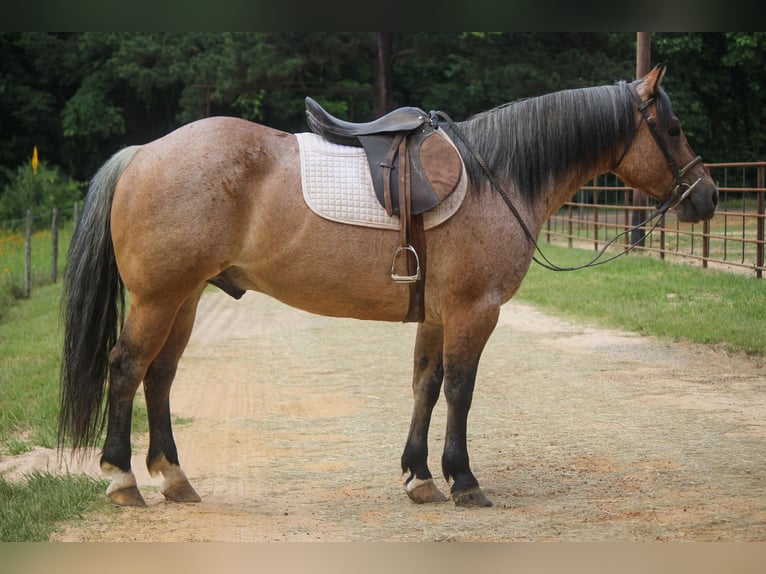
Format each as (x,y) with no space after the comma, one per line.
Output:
(529,142)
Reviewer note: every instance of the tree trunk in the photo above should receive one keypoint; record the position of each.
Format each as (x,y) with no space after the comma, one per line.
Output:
(382,101)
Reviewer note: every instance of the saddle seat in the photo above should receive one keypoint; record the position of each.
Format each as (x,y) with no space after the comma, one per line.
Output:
(342,132)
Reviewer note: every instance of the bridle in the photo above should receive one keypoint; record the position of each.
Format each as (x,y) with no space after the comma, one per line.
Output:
(678,191)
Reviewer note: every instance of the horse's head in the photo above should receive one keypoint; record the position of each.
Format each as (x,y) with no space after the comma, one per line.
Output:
(660,161)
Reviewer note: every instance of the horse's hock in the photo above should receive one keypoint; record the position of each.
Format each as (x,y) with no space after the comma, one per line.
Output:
(292,428)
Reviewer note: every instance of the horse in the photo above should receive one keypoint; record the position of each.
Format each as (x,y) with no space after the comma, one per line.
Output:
(219,201)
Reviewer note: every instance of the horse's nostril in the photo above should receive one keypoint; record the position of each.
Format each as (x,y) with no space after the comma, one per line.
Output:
(715,198)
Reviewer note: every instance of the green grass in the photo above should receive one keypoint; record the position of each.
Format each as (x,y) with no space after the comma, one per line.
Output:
(30,511)
(30,349)
(645,295)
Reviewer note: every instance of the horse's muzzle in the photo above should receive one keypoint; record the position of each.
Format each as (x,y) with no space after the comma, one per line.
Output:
(700,205)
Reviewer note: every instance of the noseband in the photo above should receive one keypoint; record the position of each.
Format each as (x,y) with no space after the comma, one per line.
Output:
(679,189)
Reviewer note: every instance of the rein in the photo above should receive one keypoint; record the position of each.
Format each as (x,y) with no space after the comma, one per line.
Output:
(678,191)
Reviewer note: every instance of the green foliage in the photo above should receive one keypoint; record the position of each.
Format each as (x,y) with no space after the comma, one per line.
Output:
(39,192)
(83,95)
(88,114)
(29,511)
(716,82)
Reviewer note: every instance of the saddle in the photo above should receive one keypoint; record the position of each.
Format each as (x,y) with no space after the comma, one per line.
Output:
(413,169)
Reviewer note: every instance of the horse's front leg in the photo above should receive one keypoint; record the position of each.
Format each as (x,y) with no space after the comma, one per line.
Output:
(464,343)
(426,386)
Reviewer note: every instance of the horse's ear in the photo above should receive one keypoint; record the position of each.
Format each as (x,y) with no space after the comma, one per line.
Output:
(654,78)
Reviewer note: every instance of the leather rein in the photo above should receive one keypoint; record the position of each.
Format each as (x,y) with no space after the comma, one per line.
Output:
(678,191)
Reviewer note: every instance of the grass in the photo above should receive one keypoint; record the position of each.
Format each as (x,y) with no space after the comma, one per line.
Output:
(645,295)
(30,351)
(30,511)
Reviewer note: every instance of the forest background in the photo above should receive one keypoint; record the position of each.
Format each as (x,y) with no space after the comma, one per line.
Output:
(79,97)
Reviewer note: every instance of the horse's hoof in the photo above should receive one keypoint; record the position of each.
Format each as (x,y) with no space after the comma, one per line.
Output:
(471,498)
(422,491)
(182,492)
(128,496)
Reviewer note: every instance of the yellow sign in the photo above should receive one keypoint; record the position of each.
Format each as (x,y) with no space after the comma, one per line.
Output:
(34,160)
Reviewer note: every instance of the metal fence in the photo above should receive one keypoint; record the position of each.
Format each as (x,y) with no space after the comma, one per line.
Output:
(733,240)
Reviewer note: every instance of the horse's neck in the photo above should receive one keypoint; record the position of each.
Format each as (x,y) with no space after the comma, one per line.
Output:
(557,192)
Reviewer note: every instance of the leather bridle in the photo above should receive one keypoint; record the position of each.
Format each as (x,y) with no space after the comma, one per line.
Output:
(679,189)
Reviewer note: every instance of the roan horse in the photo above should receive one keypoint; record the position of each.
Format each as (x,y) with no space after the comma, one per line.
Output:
(219,200)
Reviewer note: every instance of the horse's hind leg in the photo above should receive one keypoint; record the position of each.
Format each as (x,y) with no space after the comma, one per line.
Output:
(426,386)
(163,456)
(144,333)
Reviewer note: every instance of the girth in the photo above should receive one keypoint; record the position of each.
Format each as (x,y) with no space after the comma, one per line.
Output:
(413,169)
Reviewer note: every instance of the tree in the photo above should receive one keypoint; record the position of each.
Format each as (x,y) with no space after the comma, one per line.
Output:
(39,192)
(79,97)
(716,80)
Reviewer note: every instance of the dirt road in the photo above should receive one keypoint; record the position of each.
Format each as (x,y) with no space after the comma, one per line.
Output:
(290,426)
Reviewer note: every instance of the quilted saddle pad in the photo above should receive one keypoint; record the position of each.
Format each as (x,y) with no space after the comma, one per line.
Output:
(337,186)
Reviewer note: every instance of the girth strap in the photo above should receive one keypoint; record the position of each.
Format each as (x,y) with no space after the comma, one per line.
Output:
(412,245)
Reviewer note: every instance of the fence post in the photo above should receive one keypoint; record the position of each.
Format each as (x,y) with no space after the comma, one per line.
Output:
(705,243)
(595,215)
(54,245)
(28,257)
(761,183)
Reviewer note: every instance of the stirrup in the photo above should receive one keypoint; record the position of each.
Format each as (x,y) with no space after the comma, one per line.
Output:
(405,278)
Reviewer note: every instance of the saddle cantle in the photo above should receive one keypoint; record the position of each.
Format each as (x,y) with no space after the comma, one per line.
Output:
(413,169)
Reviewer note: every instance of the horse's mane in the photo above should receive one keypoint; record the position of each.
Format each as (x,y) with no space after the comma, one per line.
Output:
(529,142)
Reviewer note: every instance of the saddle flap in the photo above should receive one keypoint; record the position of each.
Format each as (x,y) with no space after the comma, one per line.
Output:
(440,164)
(436,168)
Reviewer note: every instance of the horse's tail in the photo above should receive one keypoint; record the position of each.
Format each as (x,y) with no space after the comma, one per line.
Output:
(93,305)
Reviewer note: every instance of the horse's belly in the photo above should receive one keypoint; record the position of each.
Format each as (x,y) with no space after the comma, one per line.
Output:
(337,270)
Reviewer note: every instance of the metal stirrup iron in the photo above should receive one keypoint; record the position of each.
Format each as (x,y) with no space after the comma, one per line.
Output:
(405,278)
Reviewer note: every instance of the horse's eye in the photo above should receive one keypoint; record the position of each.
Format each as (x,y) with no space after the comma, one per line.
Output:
(674,130)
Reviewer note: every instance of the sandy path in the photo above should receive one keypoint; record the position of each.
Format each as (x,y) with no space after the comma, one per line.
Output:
(291,428)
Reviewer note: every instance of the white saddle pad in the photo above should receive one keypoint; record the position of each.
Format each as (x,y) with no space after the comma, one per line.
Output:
(337,186)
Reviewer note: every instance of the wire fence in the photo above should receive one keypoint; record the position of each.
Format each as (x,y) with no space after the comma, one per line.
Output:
(733,240)
(18,237)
